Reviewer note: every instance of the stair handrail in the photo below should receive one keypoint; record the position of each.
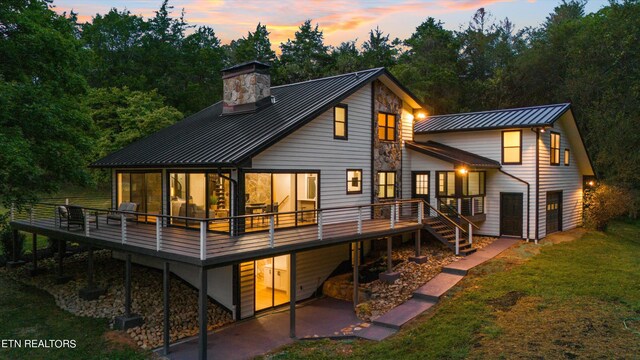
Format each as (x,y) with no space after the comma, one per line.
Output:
(451,221)
(455,211)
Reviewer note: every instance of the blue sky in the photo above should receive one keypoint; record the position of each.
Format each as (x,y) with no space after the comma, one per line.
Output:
(340,20)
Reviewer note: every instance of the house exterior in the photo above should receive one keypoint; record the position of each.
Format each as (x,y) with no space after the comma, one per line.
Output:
(259,198)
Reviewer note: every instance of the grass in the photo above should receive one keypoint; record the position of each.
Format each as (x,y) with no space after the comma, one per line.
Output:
(558,300)
(29,313)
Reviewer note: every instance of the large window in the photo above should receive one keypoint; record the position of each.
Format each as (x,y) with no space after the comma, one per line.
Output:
(555,149)
(386,184)
(566,157)
(512,147)
(282,194)
(340,122)
(386,126)
(354,181)
(199,195)
(421,185)
(142,188)
(473,183)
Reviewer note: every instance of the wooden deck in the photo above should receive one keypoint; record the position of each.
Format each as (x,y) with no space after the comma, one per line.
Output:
(183,244)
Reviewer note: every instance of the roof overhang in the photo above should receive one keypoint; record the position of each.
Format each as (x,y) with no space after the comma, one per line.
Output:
(455,156)
(405,94)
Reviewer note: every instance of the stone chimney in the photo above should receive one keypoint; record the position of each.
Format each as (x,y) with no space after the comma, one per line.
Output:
(247,87)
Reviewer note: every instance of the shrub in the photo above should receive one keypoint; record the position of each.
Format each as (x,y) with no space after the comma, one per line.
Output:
(605,203)
(6,242)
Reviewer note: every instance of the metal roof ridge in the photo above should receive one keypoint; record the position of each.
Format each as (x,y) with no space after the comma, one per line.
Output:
(328,77)
(498,110)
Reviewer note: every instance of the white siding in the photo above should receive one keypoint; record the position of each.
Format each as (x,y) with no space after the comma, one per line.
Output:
(567,179)
(314,267)
(489,144)
(313,147)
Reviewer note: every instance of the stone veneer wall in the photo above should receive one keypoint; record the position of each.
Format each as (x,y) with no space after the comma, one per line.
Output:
(258,185)
(246,88)
(387,155)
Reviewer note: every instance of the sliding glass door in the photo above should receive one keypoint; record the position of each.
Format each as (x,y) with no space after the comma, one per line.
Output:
(199,195)
(142,188)
(281,194)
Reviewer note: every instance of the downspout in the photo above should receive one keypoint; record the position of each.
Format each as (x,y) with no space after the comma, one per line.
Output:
(528,198)
(537,183)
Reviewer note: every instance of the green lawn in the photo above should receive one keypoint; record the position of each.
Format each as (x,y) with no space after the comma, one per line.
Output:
(29,313)
(555,300)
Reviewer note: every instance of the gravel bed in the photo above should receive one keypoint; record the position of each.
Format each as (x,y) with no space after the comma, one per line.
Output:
(146,296)
(385,297)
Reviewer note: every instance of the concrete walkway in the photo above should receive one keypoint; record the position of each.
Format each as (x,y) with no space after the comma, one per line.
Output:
(245,340)
(429,294)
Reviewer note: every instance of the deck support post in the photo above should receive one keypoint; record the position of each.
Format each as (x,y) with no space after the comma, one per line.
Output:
(34,256)
(91,292)
(61,278)
(389,276)
(418,258)
(128,320)
(356,264)
(165,291)
(202,315)
(292,297)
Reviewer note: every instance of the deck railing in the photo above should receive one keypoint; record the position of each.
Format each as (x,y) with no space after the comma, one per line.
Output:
(215,236)
(451,225)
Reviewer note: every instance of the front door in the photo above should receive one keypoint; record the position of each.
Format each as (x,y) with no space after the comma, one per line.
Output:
(554,211)
(511,214)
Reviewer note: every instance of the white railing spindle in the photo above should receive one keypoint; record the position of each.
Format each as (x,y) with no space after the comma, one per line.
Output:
(473,206)
(203,240)
(158,233)
(397,211)
(123,228)
(86,222)
(272,230)
(470,234)
(320,224)
(359,220)
(420,212)
(457,241)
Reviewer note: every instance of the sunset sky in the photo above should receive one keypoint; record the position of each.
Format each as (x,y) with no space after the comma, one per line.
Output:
(340,20)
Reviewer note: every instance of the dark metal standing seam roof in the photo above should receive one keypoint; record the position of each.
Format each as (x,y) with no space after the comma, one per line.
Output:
(533,116)
(208,138)
(453,155)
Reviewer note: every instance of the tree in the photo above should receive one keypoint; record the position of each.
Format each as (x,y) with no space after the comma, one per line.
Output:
(256,46)
(346,58)
(378,50)
(45,133)
(123,116)
(430,67)
(305,57)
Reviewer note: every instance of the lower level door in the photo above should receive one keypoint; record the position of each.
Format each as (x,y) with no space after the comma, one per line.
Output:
(554,211)
(271,282)
(511,214)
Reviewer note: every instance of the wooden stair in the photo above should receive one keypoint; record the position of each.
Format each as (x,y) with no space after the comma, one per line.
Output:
(446,235)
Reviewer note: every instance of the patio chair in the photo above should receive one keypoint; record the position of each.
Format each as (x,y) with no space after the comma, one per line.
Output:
(123,208)
(63,214)
(76,218)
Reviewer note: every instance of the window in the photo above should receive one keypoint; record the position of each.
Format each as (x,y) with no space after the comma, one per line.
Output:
(421,185)
(446,183)
(512,147)
(386,184)
(354,181)
(142,188)
(555,148)
(386,127)
(473,183)
(340,122)
(566,157)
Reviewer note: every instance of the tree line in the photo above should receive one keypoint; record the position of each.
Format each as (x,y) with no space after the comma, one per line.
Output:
(72,92)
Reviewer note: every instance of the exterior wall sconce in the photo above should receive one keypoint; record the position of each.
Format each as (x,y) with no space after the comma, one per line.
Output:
(421,115)
(463,171)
